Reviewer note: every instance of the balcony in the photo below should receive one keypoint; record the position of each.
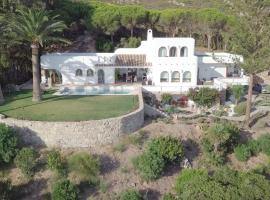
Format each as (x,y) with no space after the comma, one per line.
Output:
(225,82)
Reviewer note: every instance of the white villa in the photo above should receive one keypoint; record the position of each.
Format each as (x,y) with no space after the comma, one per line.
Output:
(160,64)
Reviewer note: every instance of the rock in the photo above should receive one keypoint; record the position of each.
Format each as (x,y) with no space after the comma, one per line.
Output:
(186,164)
(2,116)
(133,184)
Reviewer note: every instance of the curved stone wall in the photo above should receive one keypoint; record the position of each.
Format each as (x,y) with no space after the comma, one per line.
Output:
(78,134)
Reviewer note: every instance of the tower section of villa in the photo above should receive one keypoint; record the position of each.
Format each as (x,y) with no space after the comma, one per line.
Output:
(173,61)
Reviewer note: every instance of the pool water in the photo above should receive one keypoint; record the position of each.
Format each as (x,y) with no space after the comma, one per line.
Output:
(94,91)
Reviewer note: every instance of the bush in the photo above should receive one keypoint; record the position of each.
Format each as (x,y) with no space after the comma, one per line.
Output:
(254,146)
(188,176)
(120,147)
(104,45)
(166,98)
(5,189)
(264,143)
(131,42)
(205,97)
(223,184)
(219,113)
(85,166)
(238,91)
(240,109)
(168,148)
(242,153)
(65,190)
(26,161)
(8,143)
(169,196)
(219,140)
(149,165)
(130,195)
(54,161)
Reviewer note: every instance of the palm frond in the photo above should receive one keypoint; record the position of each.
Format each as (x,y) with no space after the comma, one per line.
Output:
(35,26)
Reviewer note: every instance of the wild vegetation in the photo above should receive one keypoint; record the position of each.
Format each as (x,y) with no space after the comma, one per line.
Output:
(159,154)
(240,26)
(222,184)
(219,140)
(151,159)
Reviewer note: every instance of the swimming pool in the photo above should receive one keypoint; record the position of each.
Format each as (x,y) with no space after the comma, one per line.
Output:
(95,90)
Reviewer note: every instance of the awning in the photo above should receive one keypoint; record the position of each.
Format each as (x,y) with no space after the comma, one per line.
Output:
(128,60)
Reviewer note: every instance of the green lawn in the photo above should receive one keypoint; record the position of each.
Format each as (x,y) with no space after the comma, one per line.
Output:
(67,108)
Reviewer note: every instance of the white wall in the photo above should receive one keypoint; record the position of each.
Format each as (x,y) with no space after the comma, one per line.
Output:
(208,71)
(68,63)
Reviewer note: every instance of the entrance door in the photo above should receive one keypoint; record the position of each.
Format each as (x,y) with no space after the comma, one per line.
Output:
(101,76)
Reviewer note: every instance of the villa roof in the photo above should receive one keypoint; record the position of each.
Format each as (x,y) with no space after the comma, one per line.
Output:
(128,60)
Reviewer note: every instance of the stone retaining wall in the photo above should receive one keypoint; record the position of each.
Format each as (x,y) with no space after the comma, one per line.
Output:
(78,134)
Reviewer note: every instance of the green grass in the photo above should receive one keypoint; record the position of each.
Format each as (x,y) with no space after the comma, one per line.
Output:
(67,108)
(163,4)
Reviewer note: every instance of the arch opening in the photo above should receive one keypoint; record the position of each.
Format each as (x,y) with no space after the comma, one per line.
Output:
(175,76)
(162,52)
(187,76)
(164,77)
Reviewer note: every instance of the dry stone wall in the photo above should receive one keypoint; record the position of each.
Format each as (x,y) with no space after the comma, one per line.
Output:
(78,134)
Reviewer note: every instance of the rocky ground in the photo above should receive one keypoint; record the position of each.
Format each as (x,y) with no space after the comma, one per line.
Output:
(117,172)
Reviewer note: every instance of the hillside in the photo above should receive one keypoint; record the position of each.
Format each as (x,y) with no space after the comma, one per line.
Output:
(158,4)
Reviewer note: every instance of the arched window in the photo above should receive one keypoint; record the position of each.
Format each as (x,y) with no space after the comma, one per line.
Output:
(187,76)
(164,77)
(184,52)
(162,52)
(175,76)
(173,51)
(90,72)
(79,72)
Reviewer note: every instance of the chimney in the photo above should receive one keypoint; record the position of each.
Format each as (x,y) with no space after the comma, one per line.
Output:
(149,34)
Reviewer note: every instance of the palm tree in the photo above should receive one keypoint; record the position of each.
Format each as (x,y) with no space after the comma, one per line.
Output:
(2,100)
(36,27)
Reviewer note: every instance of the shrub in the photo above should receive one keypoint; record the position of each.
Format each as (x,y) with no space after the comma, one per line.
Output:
(223,183)
(65,190)
(120,147)
(130,195)
(85,166)
(168,148)
(242,153)
(188,176)
(166,98)
(219,140)
(26,161)
(254,146)
(238,91)
(8,143)
(54,162)
(137,139)
(5,189)
(104,45)
(131,42)
(264,143)
(205,97)
(240,109)
(168,196)
(219,113)
(149,165)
